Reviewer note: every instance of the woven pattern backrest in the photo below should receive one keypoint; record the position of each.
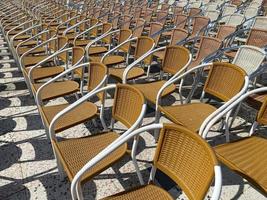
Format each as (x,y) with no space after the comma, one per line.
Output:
(148,15)
(137,12)
(144,44)
(123,36)
(96,73)
(180,21)
(250,12)
(212,14)
(126,21)
(161,16)
(139,27)
(228,10)
(194,12)
(61,42)
(262,114)
(257,37)
(199,23)
(128,103)
(235,19)
(115,20)
(154,28)
(249,58)
(187,159)
(175,59)
(177,10)
(208,45)
(224,31)
(224,80)
(260,23)
(178,35)
(93,31)
(77,54)
(105,29)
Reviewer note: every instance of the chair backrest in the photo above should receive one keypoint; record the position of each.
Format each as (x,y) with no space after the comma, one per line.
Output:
(212,14)
(137,12)
(126,95)
(235,19)
(260,23)
(154,28)
(115,20)
(225,80)
(187,159)
(177,10)
(180,21)
(77,54)
(228,10)
(250,12)
(175,58)
(224,31)
(208,45)
(178,35)
(257,37)
(148,15)
(193,12)
(123,36)
(96,72)
(262,114)
(125,21)
(161,16)
(198,24)
(139,27)
(249,58)
(105,29)
(143,45)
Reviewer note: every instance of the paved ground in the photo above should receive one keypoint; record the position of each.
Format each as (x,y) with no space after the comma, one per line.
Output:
(28,168)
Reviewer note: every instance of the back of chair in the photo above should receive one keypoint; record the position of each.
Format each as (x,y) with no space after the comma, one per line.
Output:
(139,27)
(199,23)
(128,103)
(260,23)
(262,114)
(62,41)
(161,16)
(257,37)
(180,21)
(225,80)
(105,29)
(123,36)
(212,14)
(126,21)
(193,12)
(177,10)
(249,58)
(176,57)
(77,54)
(96,73)
(154,28)
(144,44)
(187,159)
(224,31)
(148,15)
(235,19)
(178,35)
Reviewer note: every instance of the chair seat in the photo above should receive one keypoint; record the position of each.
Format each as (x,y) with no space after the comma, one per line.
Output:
(248,158)
(14,32)
(45,72)
(82,42)
(189,115)
(86,111)
(97,50)
(57,89)
(159,54)
(147,192)
(75,153)
(29,43)
(150,90)
(33,60)
(109,60)
(22,37)
(256,100)
(22,50)
(117,73)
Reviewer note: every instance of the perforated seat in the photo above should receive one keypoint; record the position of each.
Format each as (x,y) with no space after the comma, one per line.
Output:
(82,42)
(45,72)
(117,73)
(33,60)
(109,60)
(75,153)
(22,50)
(28,43)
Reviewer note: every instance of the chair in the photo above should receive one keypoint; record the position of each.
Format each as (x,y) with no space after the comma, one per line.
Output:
(260,23)
(199,24)
(245,155)
(73,154)
(191,165)
(224,81)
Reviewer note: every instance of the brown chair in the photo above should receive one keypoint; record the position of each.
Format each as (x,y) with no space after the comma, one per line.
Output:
(125,21)
(198,25)
(139,27)
(144,45)
(247,156)
(179,22)
(224,81)
(176,60)
(177,35)
(59,88)
(97,75)
(181,154)
(73,154)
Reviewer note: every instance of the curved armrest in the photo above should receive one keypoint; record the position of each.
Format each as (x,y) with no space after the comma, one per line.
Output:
(22,24)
